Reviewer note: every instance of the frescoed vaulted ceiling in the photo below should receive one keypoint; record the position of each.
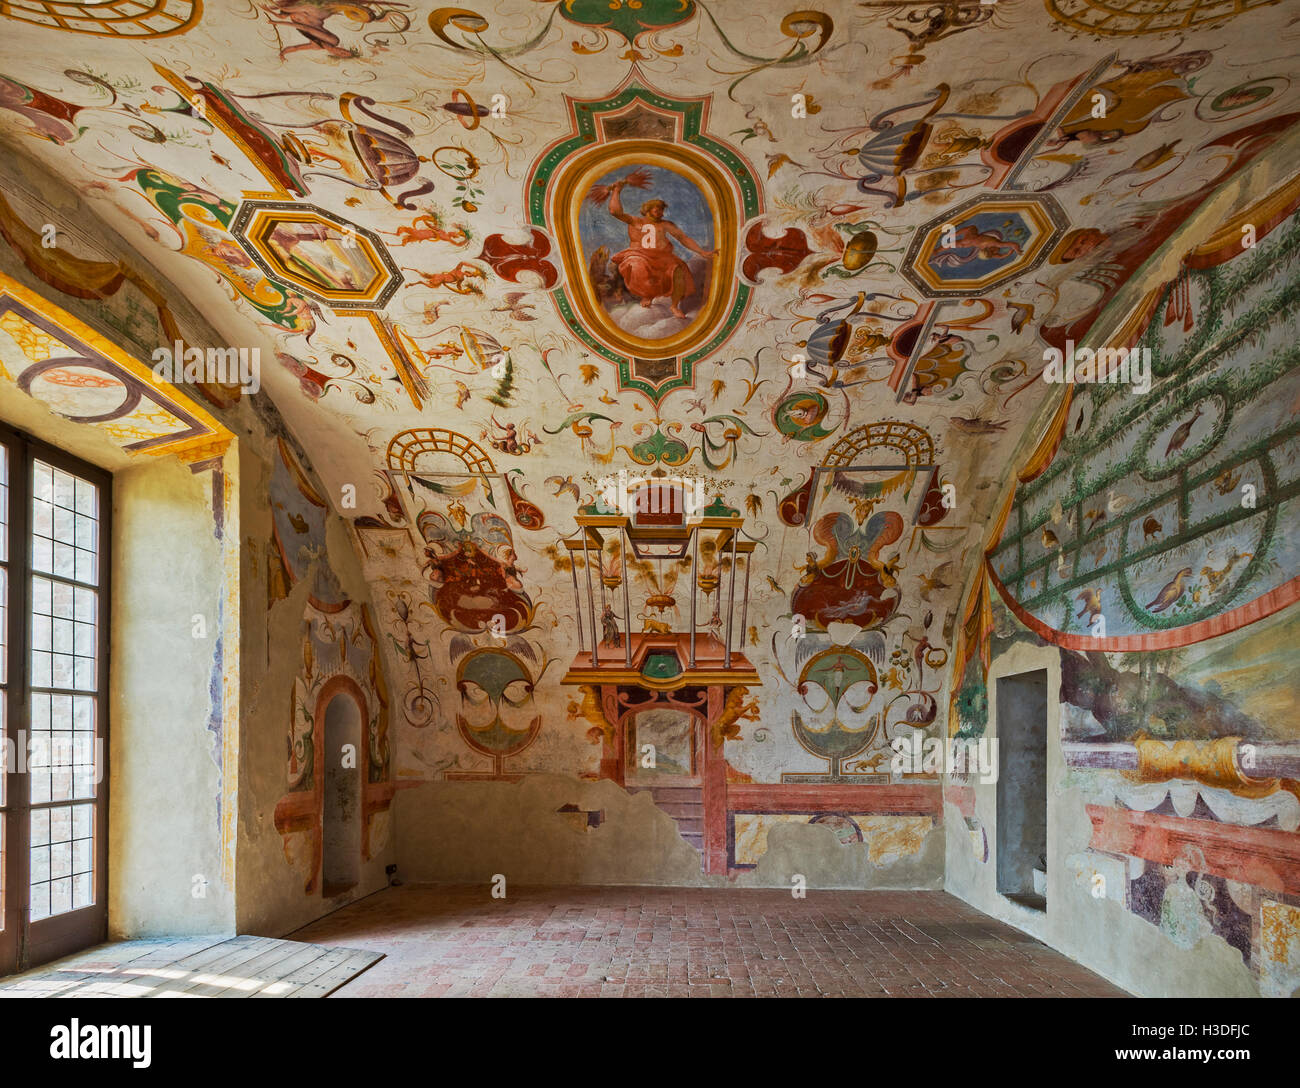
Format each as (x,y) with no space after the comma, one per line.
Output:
(492,255)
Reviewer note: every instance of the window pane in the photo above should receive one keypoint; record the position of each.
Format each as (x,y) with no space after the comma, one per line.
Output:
(40,902)
(42,481)
(65,524)
(87,498)
(64,636)
(63,745)
(62,859)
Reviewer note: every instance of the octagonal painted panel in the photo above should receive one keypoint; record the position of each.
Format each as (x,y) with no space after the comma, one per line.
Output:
(318,253)
(983,244)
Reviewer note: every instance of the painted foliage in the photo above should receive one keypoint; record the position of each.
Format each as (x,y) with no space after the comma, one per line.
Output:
(1148,537)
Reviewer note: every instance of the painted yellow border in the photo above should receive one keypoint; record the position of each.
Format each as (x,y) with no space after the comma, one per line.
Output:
(196,448)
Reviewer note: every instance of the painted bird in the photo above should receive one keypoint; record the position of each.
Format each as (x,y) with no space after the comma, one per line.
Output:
(1171,593)
(775,162)
(1022,312)
(1226,480)
(936,579)
(516,307)
(978,425)
(1091,599)
(433,309)
(1149,161)
(563,484)
(1179,438)
(1215,578)
(1117,504)
(1049,539)
(462,394)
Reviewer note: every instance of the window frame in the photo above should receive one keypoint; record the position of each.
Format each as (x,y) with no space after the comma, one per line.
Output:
(24,943)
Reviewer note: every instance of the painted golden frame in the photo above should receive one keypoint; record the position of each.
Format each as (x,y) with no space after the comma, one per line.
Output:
(1041,213)
(256,221)
(571,188)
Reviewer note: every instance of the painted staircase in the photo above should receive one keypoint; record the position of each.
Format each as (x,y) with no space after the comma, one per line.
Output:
(685,804)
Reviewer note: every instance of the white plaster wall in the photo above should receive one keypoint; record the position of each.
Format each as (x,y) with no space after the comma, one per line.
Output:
(166,872)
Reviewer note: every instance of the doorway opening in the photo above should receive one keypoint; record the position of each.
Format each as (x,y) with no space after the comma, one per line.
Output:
(1022,788)
(341,799)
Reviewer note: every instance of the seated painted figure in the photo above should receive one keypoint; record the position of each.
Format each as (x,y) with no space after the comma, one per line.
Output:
(649,266)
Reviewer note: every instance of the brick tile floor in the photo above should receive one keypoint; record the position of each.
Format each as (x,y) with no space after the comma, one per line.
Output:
(456,941)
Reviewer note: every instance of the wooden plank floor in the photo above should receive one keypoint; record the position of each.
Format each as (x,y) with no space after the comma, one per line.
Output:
(202,967)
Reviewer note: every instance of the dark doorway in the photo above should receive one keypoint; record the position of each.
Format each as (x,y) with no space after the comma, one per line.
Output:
(341,818)
(1022,788)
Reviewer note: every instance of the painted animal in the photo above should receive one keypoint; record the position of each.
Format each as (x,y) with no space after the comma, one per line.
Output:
(1226,480)
(516,307)
(655,627)
(563,484)
(978,425)
(607,280)
(1151,529)
(1179,438)
(1091,599)
(508,441)
(433,232)
(459,279)
(1215,578)
(308,18)
(937,579)
(1171,592)
(871,763)
(734,710)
